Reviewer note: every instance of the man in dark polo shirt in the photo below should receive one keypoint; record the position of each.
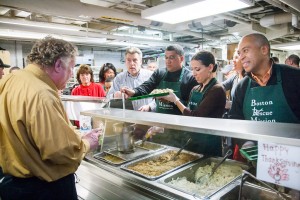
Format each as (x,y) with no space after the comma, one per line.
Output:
(269,92)
(174,76)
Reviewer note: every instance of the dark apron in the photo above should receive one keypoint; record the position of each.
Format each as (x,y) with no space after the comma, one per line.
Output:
(203,143)
(170,108)
(268,103)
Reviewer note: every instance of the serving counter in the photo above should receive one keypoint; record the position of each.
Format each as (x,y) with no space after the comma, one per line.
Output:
(100,180)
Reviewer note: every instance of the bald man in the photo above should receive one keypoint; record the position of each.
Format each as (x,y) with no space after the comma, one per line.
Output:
(293,60)
(269,92)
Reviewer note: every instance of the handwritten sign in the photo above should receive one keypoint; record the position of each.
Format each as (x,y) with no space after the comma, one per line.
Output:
(279,164)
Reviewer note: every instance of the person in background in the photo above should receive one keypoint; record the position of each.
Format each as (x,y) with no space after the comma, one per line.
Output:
(275,59)
(87,87)
(227,71)
(239,73)
(108,83)
(2,66)
(13,68)
(293,60)
(131,78)
(107,70)
(269,92)
(152,66)
(206,100)
(174,76)
(40,150)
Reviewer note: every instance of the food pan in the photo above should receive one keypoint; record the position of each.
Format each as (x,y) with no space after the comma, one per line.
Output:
(185,178)
(150,146)
(157,165)
(110,158)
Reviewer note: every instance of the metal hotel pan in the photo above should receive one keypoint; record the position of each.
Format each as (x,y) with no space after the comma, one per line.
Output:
(189,173)
(156,156)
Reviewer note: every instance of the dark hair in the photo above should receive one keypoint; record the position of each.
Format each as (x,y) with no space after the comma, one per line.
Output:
(47,51)
(104,69)
(275,59)
(84,69)
(294,58)
(177,48)
(260,40)
(206,58)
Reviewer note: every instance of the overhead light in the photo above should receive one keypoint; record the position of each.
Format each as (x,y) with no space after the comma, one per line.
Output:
(291,48)
(138,36)
(288,46)
(178,11)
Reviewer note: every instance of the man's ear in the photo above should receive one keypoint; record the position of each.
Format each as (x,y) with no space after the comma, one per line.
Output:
(265,50)
(58,65)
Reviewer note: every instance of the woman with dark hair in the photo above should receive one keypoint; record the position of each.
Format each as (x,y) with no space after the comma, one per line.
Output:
(107,70)
(206,100)
(87,87)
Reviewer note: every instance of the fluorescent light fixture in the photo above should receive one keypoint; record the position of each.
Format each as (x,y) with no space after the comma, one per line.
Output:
(138,36)
(178,11)
(128,44)
(39,24)
(291,48)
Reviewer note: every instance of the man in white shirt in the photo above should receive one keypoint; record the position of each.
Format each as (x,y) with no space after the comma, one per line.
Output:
(132,78)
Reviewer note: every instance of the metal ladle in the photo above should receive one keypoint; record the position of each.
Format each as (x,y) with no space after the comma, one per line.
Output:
(205,178)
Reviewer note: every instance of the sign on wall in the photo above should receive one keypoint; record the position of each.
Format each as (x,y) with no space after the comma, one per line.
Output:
(279,164)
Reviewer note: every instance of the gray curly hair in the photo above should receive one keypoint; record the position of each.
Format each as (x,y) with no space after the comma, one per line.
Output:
(48,50)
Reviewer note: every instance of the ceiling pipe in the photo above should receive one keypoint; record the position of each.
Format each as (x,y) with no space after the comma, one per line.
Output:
(276,19)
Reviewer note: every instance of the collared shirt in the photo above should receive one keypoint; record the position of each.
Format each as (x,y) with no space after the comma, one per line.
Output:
(36,139)
(265,78)
(126,79)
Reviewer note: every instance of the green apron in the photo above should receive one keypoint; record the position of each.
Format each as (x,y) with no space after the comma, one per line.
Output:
(268,103)
(197,97)
(203,143)
(170,108)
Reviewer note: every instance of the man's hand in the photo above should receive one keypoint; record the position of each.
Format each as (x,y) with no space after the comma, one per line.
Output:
(93,138)
(118,95)
(154,130)
(129,92)
(145,108)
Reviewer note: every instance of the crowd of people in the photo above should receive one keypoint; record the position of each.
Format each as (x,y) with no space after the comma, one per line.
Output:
(41,150)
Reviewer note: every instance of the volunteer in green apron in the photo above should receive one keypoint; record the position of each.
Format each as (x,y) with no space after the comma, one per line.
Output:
(270,92)
(206,100)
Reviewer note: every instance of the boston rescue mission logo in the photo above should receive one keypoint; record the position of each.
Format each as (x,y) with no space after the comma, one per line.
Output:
(259,111)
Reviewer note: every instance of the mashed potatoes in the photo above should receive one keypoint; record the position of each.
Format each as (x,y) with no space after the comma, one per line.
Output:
(160,91)
(223,175)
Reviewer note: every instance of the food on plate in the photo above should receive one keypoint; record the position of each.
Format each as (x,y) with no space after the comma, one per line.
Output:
(162,164)
(160,91)
(223,175)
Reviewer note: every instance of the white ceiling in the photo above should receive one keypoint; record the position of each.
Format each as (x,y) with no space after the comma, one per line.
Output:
(117,24)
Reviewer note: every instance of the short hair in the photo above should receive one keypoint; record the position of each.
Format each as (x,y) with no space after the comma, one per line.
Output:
(275,59)
(206,58)
(294,58)
(260,40)
(84,69)
(14,68)
(177,48)
(47,51)
(105,67)
(133,50)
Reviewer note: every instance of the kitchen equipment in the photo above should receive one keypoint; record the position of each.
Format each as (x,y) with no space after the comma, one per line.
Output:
(180,150)
(146,136)
(124,137)
(205,178)
(148,96)
(250,153)
(150,146)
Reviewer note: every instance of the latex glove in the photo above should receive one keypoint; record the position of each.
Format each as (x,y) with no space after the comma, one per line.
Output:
(171,97)
(153,131)
(93,138)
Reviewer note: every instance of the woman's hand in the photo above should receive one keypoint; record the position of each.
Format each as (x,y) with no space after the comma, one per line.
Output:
(171,97)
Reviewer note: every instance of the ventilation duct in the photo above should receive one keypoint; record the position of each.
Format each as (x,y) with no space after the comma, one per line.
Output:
(195,25)
(295,21)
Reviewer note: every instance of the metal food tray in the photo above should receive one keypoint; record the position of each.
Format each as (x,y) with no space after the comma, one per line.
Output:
(150,146)
(189,173)
(155,156)
(101,157)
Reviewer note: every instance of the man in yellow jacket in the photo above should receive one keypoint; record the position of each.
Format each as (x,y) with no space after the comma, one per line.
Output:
(39,149)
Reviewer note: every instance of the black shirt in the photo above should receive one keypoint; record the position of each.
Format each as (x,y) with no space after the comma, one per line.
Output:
(290,77)
(187,84)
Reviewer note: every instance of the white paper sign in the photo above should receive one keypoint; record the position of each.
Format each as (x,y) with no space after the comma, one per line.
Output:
(279,164)
(85,123)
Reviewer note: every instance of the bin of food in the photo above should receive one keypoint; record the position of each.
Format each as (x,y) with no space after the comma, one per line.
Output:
(161,163)
(185,179)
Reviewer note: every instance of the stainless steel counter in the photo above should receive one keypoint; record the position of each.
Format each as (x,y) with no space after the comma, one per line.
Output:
(281,133)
